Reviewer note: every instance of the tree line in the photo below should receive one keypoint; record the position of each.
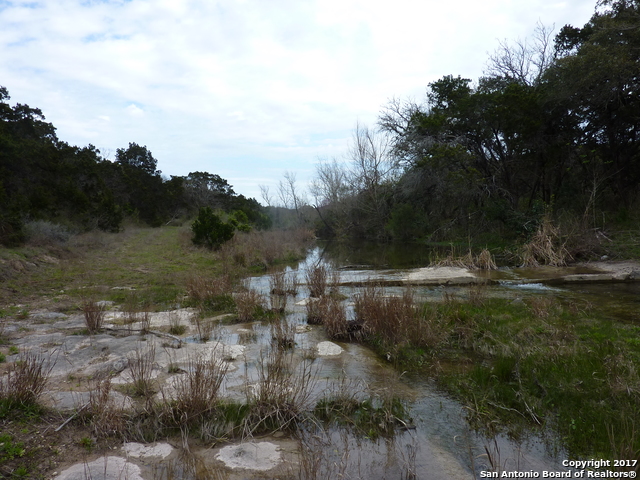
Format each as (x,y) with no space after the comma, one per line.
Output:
(45,178)
(551,126)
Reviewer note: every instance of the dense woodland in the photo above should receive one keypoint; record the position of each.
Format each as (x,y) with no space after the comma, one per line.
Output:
(42,178)
(550,130)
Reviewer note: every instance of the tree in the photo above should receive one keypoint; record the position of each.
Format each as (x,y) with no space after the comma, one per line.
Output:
(332,193)
(204,189)
(209,229)
(524,61)
(141,188)
(373,168)
(291,197)
(138,157)
(598,78)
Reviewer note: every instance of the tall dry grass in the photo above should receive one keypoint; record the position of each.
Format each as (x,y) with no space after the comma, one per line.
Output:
(395,322)
(202,288)
(282,395)
(249,304)
(141,363)
(198,388)
(106,418)
(482,261)
(283,334)
(335,321)
(26,378)
(316,310)
(546,247)
(317,280)
(93,316)
(266,248)
(278,291)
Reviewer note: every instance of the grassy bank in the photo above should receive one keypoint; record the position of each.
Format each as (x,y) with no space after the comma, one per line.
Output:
(564,367)
(157,269)
(156,263)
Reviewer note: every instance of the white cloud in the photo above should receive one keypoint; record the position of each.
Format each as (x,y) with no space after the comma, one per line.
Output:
(134,111)
(246,85)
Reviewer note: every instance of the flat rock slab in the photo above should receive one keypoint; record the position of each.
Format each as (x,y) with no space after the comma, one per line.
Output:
(259,456)
(105,468)
(139,450)
(66,401)
(328,349)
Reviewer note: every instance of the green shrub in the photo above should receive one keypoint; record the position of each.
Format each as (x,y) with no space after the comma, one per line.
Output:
(209,230)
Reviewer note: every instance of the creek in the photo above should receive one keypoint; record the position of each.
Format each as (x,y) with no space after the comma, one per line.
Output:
(442,445)
(437,442)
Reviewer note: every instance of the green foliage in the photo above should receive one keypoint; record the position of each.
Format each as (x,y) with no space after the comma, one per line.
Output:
(45,179)
(209,230)
(10,449)
(372,417)
(405,222)
(543,127)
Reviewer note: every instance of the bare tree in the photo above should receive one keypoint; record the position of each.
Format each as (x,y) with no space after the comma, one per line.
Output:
(330,185)
(373,168)
(290,196)
(524,61)
(331,193)
(371,156)
(266,196)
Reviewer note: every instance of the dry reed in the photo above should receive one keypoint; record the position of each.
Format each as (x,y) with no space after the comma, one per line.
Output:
(545,247)
(201,289)
(282,394)
(198,388)
(283,334)
(335,320)
(93,316)
(249,304)
(483,261)
(141,365)
(26,378)
(107,419)
(317,280)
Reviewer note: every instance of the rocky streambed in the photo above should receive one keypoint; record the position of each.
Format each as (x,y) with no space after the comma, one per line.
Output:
(438,445)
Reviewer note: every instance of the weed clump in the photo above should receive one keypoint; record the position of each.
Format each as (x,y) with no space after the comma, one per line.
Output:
(545,247)
(93,316)
(141,364)
(105,417)
(483,261)
(281,396)
(197,389)
(25,380)
(317,280)
(250,305)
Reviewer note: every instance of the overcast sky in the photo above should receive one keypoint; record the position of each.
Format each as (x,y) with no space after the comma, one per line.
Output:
(247,89)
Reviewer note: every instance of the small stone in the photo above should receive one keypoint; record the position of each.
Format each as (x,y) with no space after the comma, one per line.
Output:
(260,456)
(327,349)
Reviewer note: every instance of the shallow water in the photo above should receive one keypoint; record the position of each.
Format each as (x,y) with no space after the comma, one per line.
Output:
(438,443)
(442,433)
(442,442)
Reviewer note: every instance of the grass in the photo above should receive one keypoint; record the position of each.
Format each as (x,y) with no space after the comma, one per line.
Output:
(25,381)
(197,389)
(317,280)
(482,261)
(281,396)
(140,364)
(371,417)
(93,316)
(537,364)
(143,270)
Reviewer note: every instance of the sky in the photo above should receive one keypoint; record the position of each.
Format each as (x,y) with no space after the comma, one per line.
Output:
(246,89)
